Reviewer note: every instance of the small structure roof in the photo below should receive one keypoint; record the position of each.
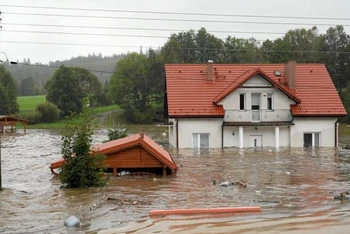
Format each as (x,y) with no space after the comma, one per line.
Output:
(131,141)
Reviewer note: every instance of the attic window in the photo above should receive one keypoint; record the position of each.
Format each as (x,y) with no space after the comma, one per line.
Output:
(277,73)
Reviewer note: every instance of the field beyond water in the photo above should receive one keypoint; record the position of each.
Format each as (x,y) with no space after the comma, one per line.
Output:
(28,104)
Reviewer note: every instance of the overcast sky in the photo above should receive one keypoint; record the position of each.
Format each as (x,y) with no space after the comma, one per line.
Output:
(47,32)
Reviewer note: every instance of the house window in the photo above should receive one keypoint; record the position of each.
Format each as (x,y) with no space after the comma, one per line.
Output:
(200,140)
(242,101)
(255,101)
(312,139)
(269,101)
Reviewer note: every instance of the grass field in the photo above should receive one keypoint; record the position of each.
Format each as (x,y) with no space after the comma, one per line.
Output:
(29,103)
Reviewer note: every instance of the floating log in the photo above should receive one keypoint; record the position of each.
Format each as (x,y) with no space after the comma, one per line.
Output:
(205,210)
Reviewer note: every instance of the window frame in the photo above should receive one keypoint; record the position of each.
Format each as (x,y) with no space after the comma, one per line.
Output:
(313,139)
(198,136)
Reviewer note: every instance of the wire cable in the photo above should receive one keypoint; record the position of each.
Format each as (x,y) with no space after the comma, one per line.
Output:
(139,29)
(171,20)
(177,13)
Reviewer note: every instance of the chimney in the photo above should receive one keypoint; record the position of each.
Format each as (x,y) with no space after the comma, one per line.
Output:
(289,74)
(141,135)
(210,70)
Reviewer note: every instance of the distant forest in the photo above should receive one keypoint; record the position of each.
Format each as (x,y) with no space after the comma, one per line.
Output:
(32,77)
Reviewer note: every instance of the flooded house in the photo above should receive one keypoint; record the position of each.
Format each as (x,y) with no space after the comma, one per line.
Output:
(136,153)
(251,105)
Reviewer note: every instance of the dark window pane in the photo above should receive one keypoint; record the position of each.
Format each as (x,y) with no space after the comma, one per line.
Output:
(307,139)
(241,101)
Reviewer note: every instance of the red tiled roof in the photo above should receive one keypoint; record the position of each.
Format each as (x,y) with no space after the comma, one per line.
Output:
(190,94)
(129,142)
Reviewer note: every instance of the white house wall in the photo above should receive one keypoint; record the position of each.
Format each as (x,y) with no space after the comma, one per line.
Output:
(231,136)
(323,125)
(188,126)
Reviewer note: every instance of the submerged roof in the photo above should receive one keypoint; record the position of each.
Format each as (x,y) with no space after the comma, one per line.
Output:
(137,140)
(190,94)
(129,142)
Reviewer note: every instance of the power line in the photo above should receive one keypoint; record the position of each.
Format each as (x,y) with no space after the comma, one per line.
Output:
(185,48)
(86,34)
(74,44)
(93,34)
(139,29)
(171,20)
(178,13)
(54,67)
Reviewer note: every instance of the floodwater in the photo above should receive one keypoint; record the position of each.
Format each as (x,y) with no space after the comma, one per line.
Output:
(294,188)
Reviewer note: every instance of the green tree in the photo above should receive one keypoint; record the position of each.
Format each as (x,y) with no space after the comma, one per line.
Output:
(8,93)
(69,86)
(336,40)
(83,167)
(239,50)
(133,89)
(209,47)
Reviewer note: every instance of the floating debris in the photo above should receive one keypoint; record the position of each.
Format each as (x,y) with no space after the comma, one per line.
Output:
(72,221)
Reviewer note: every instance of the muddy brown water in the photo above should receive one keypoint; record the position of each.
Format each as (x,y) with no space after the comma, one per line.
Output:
(294,187)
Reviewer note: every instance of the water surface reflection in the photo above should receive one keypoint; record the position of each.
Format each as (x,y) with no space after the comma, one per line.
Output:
(295,188)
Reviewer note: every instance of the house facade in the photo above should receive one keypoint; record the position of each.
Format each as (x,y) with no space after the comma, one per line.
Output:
(251,105)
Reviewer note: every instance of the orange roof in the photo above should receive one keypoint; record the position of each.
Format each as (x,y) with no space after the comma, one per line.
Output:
(190,94)
(129,142)
(136,140)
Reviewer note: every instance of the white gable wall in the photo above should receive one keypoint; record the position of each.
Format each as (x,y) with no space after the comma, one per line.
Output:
(280,100)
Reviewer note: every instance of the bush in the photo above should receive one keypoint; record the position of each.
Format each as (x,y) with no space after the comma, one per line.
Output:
(49,112)
(33,117)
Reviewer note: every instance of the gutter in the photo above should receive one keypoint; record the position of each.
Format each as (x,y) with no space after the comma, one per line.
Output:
(222,135)
(336,133)
(177,133)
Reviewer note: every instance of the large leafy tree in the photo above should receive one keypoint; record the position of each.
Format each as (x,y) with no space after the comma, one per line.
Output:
(8,93)
(336,40)
(135,86)
(69,86)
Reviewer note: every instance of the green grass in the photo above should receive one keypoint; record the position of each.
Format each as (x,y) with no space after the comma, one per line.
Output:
(29,103)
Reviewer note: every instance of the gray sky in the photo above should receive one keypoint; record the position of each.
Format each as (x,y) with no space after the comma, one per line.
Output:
(34,45)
